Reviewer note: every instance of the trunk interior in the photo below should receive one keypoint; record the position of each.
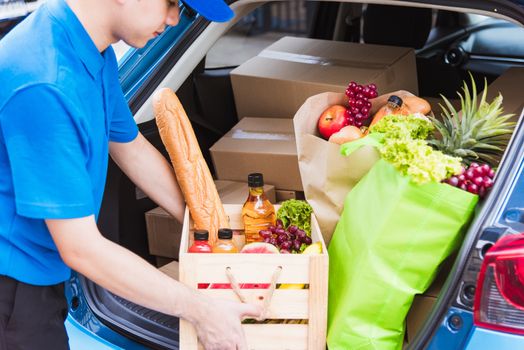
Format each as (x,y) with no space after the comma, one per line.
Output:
(208,98)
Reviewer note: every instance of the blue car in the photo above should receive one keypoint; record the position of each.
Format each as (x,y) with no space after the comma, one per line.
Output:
(480,304)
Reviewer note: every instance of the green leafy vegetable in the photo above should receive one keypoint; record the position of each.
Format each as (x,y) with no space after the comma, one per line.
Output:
(419,161)
(403,127)
(403,145)
(296,212)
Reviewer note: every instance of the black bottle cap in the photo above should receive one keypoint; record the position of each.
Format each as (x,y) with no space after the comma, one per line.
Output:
(255,180)
(201,235)
(225,233)
(396,100)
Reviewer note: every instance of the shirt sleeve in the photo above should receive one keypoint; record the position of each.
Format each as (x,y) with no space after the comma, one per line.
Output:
(48,151)
(123,127)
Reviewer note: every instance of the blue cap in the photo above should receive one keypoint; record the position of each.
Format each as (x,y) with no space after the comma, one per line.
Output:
(212,10)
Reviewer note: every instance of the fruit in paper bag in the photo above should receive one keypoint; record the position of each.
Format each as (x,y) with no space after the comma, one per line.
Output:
(346,134)
(332,120)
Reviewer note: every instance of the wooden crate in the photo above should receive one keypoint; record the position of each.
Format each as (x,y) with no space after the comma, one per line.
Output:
(298,304)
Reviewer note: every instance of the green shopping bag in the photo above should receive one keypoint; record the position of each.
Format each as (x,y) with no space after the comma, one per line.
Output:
(387,246)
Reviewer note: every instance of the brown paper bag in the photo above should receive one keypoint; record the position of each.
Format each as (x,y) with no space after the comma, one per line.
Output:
(327,176)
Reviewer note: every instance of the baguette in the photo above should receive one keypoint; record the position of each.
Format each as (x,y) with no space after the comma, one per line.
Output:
(191,170)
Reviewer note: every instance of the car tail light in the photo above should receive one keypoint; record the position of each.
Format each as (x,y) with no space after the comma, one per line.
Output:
(499,298)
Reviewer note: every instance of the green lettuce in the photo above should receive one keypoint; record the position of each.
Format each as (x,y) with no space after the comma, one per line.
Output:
(404,146)
(403,127)
(419,161)
(296,212)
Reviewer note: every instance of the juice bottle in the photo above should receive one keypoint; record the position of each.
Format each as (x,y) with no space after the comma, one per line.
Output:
(200,243)
(225,244)
(257,213)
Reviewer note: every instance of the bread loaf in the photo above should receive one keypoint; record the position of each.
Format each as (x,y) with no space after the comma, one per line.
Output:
(191,170)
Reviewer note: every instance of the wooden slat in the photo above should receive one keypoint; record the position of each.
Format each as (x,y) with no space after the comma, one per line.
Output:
(249,268)
(285,303)
(276,336)
(188,338)
(318,294)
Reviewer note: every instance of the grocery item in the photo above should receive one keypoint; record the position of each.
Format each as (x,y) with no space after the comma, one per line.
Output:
(359,102)
(296,212)
(225,244)
(346,134)
(332,120)
(259,248)
(257,213)
(393,106)
(289,240)
(476,179)
(479,132)
(415,104)
(191,169)
(200,242)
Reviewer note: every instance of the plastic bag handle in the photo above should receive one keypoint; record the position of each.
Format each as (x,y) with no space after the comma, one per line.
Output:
(372,139)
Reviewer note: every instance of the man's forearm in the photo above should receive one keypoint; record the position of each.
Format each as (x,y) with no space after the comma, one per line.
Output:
(119,270)
(151,172)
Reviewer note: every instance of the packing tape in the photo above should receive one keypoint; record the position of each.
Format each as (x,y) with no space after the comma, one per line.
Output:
(256,135)
(323,61)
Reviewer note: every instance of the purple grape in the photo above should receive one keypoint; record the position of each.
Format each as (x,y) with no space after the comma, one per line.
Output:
(491,173)
(474,165)
(292,229)
(478,171)
(279,223)
(307,240)
(282,238)
(487,182)
(470,174)
(453,181)
(482,192)
(284,251)
(286,245)
(479,180)
(473,188)
(296,245)
(462,178)
(300,235)
(292,236)
(485,168)
(271,228)
(267,240)
(463,187)
(265,233)
(280,231)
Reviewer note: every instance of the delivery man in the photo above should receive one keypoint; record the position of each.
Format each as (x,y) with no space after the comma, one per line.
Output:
(62,112)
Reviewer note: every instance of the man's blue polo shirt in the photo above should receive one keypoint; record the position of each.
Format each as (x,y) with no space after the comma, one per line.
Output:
(60,105)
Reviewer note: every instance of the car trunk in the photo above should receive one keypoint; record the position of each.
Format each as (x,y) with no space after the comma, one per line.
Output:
(208,98)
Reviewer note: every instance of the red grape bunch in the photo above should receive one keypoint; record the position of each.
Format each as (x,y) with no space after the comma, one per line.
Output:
(359,105)
(289,240)
(477,179)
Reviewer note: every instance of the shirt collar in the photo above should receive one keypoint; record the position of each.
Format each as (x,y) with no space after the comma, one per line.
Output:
(80,39)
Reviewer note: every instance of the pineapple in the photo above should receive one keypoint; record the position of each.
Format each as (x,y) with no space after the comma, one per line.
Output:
(479,133)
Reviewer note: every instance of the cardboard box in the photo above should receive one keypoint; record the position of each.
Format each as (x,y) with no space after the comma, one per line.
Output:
(264,145)
(300,304)
(278,81)
(509,85)
(232,192)
(284,195)
(164,232)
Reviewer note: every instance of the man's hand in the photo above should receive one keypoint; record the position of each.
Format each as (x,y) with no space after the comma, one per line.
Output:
(218,325)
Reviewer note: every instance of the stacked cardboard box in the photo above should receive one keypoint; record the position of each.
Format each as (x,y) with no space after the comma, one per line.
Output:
(271,87)
(164,232)
(277,82)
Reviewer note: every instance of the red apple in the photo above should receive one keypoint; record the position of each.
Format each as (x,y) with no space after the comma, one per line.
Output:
(332,120)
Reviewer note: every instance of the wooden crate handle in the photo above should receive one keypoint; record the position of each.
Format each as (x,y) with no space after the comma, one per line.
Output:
(267,299)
